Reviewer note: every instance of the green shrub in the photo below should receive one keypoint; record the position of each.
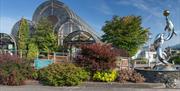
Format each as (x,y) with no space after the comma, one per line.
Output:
(32,51)
(130,75)
(84,75)
(62,75)
(176,59)
(35,75)
(141,60)
(13,70)
(105,76)
(12,78)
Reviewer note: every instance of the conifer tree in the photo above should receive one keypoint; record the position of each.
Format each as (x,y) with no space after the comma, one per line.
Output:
(32,51)
(23,36)
(45,37)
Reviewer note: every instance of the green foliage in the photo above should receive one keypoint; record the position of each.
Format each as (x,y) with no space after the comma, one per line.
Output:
(141,61)
(32,51)
(105,76)
(13,70)
(45,37)
(125,32)
(23,35)
(12,78)
(84,75)
(62,75)
(130,75)
(35,74)
(176,59)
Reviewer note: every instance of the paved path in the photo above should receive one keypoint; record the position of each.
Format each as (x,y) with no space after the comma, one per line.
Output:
(93,86)
(47,88)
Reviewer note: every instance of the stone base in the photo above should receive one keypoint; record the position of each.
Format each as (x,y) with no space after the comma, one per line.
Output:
(164,68)
(156,76)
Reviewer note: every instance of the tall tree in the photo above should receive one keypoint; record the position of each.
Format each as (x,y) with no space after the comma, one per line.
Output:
(125,32)
(32,51)
(45,37)
(23,36)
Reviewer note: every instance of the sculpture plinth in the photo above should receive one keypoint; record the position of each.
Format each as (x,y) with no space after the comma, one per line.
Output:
(161,67)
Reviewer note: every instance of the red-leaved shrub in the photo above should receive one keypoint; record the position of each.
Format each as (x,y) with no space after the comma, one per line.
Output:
(130,75)
(4,58)
(14,70)
(97,57)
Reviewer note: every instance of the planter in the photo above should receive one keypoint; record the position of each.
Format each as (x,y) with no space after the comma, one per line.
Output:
(31,82)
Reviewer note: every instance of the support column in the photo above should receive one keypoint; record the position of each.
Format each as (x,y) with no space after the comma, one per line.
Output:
(71,28)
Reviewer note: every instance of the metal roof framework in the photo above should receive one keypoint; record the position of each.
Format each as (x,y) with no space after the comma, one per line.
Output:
(5,40)
(79,38)
(64,19)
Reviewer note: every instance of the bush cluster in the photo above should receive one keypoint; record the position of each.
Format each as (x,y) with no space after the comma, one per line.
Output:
(97,57)
(130,75)
(14,70)
(62,75)
(176,59)
(105,76)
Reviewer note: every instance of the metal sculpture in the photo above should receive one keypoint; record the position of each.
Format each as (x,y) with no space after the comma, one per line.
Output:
(164,56)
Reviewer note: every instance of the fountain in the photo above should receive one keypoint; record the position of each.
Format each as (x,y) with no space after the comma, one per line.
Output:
(163,71)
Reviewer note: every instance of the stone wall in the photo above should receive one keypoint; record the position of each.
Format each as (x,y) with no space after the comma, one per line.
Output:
(158,76)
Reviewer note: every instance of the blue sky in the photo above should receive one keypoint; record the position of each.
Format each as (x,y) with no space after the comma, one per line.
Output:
(96,12)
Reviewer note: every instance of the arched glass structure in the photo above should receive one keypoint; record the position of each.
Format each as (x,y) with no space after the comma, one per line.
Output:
(7,42)
(65,21)
(15,28)
(79,37)
(68,28)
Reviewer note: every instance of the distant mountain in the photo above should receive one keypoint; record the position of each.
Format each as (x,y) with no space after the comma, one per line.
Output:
(177,47)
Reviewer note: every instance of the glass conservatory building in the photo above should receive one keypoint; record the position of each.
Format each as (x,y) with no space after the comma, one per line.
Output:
(7,42)
(71,28)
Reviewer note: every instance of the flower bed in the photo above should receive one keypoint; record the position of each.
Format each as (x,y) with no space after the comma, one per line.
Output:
(14,70)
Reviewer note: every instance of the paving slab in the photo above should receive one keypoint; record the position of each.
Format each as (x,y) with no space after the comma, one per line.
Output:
(48,88)
(94,86)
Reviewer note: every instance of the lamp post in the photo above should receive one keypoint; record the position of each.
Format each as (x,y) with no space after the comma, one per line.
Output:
(149,47)
(15,45)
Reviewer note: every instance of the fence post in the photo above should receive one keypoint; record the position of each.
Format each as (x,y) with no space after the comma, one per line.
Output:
(48,55)
(20,53)
(129,63)
(54,54)
(37,55)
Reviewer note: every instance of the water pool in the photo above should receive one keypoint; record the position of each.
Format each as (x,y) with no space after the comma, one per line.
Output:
(41,63)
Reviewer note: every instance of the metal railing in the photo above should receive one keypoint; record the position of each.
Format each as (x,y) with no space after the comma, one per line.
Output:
(55,56)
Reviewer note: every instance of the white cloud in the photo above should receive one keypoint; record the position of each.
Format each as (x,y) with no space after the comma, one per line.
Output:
(142,5)
(6,24)
(175,40)
(104,8)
